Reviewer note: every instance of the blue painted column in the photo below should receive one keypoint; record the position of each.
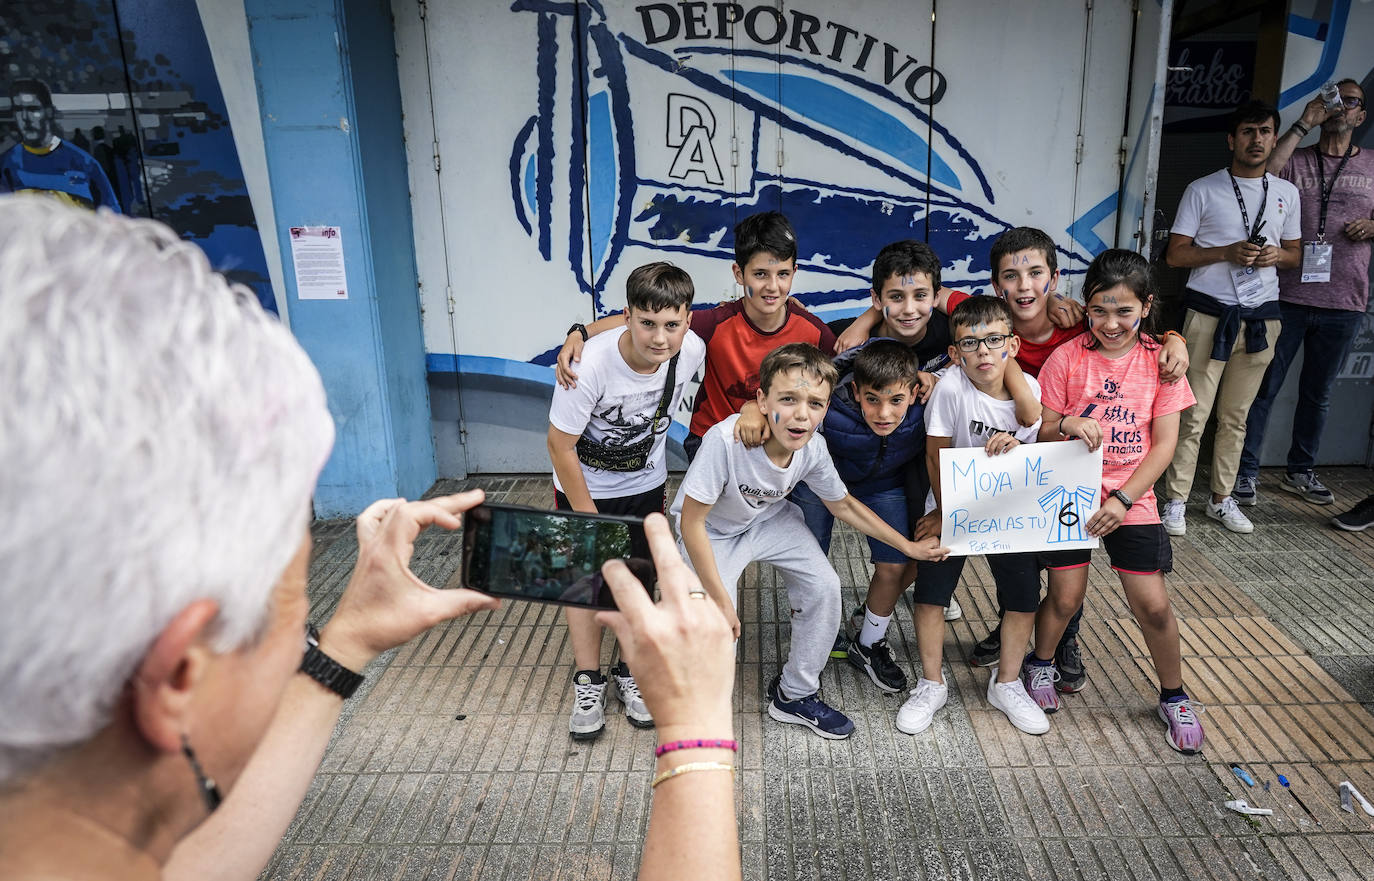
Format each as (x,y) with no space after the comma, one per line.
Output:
(331,117)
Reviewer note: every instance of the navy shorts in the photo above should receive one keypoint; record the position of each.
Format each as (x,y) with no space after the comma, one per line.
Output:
(888,504)
(1017,577)
(1137,549)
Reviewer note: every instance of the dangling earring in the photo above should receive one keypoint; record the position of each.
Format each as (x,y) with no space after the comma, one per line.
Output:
(209,790)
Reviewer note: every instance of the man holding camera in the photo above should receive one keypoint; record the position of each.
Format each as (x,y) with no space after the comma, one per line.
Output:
(1322,302)
(1233,230)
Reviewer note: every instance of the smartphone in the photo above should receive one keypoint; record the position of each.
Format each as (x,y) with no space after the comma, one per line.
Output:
(550,556)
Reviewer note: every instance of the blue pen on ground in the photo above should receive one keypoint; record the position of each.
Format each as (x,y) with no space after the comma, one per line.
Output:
(1243,775)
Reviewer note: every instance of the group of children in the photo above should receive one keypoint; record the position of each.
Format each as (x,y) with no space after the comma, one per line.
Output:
(786,437)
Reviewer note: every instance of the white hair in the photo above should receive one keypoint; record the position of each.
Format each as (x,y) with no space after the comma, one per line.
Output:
(160,438)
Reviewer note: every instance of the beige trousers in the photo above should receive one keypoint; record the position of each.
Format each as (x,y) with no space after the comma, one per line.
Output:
(1229,387)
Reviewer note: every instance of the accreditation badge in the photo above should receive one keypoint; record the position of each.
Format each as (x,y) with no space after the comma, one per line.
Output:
(1248,283)
(1316,261)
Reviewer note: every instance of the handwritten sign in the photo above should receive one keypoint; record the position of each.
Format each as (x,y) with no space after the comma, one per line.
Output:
(1038,497)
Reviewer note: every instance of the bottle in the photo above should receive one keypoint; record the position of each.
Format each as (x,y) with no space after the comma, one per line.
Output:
(1331,96)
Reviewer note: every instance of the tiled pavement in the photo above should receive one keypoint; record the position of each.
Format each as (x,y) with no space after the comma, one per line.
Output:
(455,763)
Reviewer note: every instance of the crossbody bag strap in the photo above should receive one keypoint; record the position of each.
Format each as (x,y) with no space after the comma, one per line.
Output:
(668,386)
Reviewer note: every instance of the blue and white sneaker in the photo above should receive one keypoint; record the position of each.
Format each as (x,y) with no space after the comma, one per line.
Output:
(810,711)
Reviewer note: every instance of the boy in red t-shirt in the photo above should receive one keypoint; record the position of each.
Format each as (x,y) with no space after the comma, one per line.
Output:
(740,333)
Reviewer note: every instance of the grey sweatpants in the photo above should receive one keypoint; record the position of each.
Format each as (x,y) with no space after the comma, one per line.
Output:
(813,589)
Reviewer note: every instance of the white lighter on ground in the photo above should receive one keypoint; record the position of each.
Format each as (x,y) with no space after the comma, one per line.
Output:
(1241,806)
(1348,791)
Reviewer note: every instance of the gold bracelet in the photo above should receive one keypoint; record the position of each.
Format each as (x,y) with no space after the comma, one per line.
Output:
(688,768)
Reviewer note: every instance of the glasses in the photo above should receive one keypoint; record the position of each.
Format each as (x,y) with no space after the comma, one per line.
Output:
(1352,101)
(992,341)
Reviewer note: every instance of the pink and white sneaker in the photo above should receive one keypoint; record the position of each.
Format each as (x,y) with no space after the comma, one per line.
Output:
(1185,731)
(1039,680)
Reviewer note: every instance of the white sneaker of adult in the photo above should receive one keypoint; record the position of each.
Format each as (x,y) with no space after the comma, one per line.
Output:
(1230,516)
(919,710)
(1173,515)
(953,612)
(1011,698)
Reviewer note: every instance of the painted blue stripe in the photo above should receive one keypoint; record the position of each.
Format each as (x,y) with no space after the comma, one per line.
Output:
(546,55)
(441,363)
(824,104)
(523,209)
(1303,26)
(1331,52)
(600,177)
(1082,228)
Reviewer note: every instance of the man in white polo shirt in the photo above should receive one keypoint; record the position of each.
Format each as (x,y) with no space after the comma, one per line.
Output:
(1233,228)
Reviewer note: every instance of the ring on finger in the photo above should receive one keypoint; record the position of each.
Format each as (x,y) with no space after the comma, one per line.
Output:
(697,594)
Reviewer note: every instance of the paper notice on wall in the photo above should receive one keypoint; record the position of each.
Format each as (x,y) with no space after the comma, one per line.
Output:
(1036,497)
(317,253)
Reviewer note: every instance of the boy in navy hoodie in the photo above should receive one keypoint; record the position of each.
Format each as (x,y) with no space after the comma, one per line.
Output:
(875,430)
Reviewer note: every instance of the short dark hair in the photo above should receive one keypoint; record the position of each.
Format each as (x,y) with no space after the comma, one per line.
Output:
(979,310)
(882,363)
(1118,267)
(796,355)
(37,88)
(656,286)
(905,258)
(1023,238)
(1251,111)
(766,232)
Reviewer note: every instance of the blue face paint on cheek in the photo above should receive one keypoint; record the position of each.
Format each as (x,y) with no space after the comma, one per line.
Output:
(1004,356)
(1136,326)
(775,419)
(748,291)
(884,311)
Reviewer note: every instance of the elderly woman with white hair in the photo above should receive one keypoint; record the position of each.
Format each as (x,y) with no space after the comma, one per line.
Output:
(160,440)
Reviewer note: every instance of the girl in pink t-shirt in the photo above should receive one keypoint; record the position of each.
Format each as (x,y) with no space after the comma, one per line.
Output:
(1104,389)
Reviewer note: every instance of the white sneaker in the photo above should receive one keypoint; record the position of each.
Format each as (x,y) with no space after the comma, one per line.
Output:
(630,699)
(1012,699)
(916,714)
(953,612)
(1230,516)
(588,718)
(1173,516)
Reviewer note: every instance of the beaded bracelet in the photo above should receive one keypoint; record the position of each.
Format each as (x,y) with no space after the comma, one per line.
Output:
(688,768)
(674,746)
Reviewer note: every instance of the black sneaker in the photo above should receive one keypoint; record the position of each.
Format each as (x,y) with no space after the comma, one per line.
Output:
(988,650)
(876,661)
(840,649)
(1358,518)
(1069,661)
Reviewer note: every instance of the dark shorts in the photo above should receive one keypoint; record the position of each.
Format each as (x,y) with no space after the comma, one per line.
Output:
(1017,577)
(641,505)
(1139,548)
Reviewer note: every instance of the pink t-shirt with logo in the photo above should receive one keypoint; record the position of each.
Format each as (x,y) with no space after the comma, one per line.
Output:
(1125,396)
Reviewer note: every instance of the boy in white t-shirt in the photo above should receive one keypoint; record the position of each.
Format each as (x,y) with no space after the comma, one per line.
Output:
(972,407)
(606,443)
(732,510)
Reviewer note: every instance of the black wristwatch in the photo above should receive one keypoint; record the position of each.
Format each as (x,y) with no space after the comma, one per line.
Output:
(1122,498)
(578,328)
(325,670)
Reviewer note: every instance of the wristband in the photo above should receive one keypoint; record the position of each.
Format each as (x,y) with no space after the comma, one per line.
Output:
(1298,127)
(674,746)
(1061,428)
(689,768)
(1182,338)
(578,328)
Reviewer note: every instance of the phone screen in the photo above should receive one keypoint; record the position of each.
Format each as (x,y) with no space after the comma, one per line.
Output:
(550,556)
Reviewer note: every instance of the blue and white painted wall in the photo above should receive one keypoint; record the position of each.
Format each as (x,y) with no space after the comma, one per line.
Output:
(554,146)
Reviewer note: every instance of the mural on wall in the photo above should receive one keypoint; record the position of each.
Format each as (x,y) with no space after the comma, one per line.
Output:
(904,174)
(116,105)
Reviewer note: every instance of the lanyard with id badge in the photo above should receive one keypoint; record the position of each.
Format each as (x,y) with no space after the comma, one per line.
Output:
(1246,279)
(1316,256)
